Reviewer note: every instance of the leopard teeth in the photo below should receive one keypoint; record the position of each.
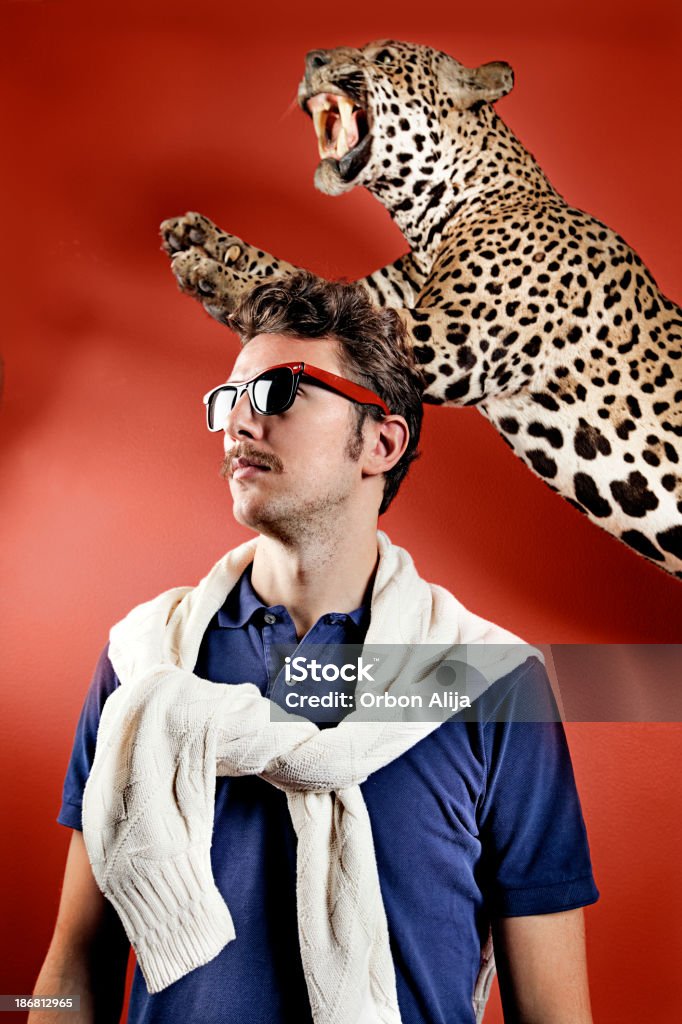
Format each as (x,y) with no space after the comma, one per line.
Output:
(342,146)
(320,121)
(346,114)
(345,110)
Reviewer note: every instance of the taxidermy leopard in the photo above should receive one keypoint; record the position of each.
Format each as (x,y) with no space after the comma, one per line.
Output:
(517,303)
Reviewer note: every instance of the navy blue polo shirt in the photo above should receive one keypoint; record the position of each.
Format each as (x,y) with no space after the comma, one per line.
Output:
(479,819)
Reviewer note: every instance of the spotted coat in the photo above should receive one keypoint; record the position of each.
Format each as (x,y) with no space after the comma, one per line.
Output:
(533,311)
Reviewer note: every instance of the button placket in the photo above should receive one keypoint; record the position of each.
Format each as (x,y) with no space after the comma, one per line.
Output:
(278,630)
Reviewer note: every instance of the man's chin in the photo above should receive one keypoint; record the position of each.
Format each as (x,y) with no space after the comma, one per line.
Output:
(245,514)
(251,512)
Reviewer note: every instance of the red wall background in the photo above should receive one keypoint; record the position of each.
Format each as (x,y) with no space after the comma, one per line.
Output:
(117,115)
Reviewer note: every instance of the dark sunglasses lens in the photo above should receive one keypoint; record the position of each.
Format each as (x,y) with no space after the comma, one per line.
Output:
(273,390)
(219,407)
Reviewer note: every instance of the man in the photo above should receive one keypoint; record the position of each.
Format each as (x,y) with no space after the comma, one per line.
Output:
(478,823)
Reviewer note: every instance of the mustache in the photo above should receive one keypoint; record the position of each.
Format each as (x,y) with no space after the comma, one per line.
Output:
(244,450)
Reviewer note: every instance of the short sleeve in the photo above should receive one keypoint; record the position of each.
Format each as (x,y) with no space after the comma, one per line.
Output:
(104,682)
(536,856)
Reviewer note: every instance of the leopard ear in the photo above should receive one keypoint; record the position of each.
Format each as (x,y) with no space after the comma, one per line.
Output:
(466,86)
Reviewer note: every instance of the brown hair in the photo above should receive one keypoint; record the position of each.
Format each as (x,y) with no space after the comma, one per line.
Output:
(372,343)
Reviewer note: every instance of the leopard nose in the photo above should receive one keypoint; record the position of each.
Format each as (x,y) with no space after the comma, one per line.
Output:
(316,59)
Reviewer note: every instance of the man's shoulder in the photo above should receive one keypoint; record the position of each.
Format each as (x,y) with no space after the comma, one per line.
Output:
(524,694)
(137,639)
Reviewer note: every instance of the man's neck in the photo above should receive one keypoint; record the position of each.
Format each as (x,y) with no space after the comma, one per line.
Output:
(316,576)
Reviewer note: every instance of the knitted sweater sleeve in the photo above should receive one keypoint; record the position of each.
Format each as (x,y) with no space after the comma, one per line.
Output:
(148,818)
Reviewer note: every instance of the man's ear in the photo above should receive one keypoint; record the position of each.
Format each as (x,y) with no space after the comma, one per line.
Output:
(390,437)
(466,86)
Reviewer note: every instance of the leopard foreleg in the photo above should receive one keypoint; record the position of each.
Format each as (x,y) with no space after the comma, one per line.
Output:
(396,285)
(219,268)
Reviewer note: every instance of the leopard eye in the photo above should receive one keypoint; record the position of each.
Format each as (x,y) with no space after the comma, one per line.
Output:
(384,57)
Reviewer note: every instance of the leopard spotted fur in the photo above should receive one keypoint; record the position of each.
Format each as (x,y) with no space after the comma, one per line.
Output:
(533,311)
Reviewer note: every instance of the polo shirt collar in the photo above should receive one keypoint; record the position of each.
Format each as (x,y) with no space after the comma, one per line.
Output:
(242,603)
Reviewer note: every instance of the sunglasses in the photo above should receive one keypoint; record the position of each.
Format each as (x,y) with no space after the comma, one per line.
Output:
(273,392)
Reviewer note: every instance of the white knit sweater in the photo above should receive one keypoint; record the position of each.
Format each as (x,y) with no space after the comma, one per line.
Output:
(165,734)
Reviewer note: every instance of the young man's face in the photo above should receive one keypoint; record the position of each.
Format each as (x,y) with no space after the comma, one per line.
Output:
(298,473)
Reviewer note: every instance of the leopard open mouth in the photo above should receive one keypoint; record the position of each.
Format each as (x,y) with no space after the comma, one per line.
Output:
(342,129)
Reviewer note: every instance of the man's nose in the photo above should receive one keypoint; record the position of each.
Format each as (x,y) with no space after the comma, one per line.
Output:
(243,421)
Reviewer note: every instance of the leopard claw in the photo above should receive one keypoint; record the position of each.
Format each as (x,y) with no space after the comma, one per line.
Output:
(232,254)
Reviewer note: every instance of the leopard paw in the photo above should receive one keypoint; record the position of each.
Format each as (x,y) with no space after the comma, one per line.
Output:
(218,287)
(180,234)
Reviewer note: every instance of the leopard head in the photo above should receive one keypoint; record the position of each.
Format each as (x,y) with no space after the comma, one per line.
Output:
(388,112)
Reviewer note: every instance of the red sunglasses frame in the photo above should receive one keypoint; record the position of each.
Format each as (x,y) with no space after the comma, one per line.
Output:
(347,388)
